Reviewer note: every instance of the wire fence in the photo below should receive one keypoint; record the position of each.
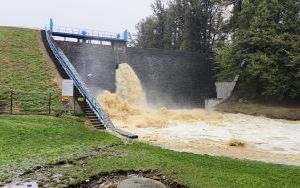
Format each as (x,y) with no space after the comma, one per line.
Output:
(32,103)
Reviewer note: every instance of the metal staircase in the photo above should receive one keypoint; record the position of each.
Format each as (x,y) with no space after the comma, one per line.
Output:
(90,106)
(88,111)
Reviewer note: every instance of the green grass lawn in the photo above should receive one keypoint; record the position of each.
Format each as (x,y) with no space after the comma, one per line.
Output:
(23,70)
(30,141)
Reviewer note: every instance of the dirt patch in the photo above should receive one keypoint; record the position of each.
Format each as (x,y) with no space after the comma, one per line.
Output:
(91,155)
(116,177)
(270,111)
(41,174)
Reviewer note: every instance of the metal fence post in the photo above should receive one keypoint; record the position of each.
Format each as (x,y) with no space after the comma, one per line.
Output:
(83,105)
(74,107)
(11,102)
(49,107)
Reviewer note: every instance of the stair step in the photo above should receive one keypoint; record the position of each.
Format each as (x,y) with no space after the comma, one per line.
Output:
(100,128)
(94,121)
(91,112)
(96,124)
(91,115)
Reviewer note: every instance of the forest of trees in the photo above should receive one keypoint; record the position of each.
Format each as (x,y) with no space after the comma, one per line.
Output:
(257,39)
(192,25)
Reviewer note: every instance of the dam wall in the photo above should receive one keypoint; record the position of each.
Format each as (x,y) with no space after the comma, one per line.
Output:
(174,79)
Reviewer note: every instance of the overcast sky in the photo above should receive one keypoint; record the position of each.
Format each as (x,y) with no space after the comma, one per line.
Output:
(104,15)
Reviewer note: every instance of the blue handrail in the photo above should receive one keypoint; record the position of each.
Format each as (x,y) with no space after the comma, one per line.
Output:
(72,73)
(88,32)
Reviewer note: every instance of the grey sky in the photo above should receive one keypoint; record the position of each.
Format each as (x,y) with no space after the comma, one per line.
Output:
(105,15)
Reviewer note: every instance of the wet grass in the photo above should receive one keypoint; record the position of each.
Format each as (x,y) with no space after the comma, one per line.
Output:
(24,71)
(30,141)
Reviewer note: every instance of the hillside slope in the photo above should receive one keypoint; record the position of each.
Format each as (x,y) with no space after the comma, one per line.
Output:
(25,71)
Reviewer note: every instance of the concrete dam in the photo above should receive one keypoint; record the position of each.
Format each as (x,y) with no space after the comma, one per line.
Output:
(172,79)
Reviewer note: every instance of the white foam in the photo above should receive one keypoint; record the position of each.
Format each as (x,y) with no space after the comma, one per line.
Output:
(267,134)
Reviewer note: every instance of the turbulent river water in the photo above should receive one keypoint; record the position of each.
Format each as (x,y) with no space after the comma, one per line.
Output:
(198,130)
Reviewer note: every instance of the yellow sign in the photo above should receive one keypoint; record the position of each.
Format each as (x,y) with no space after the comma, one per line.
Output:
(80,99)
(65,99)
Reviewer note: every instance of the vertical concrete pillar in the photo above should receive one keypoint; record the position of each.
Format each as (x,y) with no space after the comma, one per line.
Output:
(120,52)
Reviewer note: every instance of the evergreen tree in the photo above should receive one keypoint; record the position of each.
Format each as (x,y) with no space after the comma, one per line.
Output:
(265,51)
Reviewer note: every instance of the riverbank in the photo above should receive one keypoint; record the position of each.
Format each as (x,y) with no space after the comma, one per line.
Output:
(256,109)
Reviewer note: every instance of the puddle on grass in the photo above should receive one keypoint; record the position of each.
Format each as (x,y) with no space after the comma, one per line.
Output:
(22,185)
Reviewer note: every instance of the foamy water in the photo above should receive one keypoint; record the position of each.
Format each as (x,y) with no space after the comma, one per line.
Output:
(197,130)
(264,134)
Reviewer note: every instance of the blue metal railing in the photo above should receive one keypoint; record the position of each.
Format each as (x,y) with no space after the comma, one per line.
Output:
(92,102)
(88,32)
(72,73)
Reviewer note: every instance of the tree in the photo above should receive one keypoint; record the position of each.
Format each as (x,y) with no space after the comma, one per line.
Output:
(192,25)
(265,51)
(158,9)
(147,34)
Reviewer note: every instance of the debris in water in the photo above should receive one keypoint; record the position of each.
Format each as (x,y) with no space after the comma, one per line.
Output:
(235,142)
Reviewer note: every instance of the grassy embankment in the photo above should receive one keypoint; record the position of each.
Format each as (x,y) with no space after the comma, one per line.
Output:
(30,141)
(24,71)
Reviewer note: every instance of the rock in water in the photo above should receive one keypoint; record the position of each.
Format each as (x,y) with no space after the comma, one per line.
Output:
(107,185)
(136,182)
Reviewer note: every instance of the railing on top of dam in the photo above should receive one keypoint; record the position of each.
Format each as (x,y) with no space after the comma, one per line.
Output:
(88,33)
